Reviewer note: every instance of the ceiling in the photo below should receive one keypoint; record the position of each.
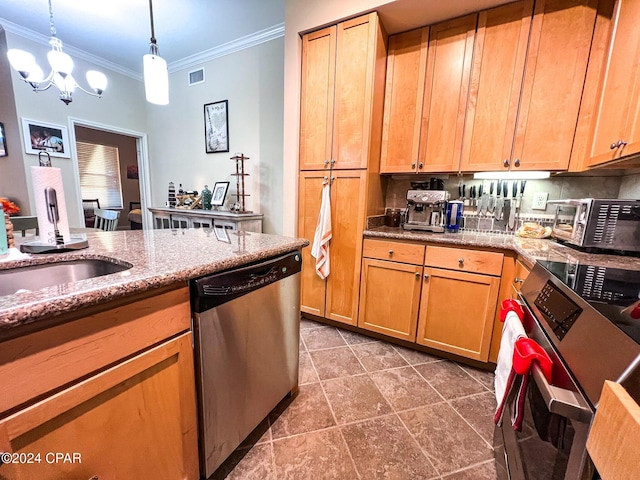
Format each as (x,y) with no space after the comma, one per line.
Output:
(118,31)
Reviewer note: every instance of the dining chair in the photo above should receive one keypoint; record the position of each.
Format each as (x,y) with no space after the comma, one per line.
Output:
(88,205)
(22,224)
(106,220)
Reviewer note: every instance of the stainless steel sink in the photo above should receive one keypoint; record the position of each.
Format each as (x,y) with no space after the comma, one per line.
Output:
(36,277)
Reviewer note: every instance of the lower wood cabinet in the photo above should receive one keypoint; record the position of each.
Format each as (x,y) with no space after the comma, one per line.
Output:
(457,311)
(133,418)
(446,302)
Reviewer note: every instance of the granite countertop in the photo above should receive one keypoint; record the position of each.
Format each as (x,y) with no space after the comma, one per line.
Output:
(530,249)
(158,257)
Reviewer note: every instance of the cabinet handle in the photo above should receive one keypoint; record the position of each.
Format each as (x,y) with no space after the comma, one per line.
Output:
(426,276)
(516,162)
(413,165)
(420,165)
(461,262)
(618,144)
(613,146)
(518,280)
(390,252)
(95,477)
(505,163)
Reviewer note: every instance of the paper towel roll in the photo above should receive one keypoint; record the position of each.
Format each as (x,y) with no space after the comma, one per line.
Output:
(51,207)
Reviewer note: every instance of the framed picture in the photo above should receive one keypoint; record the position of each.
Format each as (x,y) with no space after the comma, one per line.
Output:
(3,141)
(132,172)
(216,126)
(221,234)
(219,193)
(40,136)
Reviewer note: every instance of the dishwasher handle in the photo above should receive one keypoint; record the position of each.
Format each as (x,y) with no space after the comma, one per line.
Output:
(213,290)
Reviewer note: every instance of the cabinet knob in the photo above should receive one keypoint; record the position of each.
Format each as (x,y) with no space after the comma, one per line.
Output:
(333,161)
(390,252)
(516,162)
(505,163)
(613,146)
(518,280)
(461,262)
(326,162)
(426,276)
(417,274)
(618,144)
(420,165)
(413,165)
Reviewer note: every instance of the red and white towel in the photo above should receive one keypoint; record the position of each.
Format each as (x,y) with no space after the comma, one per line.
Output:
(322,237)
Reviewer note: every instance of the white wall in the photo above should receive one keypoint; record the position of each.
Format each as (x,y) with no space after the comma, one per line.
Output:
(252,81)
(123,105)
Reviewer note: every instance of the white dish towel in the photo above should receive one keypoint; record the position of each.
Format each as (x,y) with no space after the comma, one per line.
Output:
(322,237)
(511,331)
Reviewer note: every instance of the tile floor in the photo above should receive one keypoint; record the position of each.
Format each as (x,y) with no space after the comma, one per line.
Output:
(369,409)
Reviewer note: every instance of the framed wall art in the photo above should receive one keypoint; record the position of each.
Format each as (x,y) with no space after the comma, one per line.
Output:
(216,126)
(221,234)
(45,137)
(219,193)
(3,141)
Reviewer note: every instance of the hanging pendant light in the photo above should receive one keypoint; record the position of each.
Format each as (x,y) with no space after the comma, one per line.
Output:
(156,74)
(61,67)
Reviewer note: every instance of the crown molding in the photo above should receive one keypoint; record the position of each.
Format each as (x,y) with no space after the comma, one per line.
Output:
(75,52)
(248,41)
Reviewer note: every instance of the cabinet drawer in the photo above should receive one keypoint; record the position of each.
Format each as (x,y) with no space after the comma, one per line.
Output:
(398,252)
(460,259)
(520,275)
(40,362)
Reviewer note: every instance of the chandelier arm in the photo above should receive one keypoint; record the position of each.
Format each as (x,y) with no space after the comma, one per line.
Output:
(93,94)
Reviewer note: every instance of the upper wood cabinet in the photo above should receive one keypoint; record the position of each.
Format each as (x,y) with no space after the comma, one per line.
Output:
(343,68)
(406,70)
(615,127)
(426,97)
(526,85)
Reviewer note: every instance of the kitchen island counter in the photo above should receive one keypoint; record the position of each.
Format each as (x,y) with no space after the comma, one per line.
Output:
(159,259)
(530,249)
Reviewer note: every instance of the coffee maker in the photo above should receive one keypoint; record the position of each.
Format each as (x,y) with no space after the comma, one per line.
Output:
(425,210)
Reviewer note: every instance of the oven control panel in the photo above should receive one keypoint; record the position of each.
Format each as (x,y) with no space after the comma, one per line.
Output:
(560,312)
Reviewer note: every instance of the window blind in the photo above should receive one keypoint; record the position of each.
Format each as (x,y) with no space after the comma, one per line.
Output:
(99,168)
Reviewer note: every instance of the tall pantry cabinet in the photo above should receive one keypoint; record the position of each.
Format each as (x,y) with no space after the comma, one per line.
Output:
(342,94)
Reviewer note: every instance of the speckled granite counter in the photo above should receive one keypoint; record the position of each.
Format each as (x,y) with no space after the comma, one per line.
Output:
(159,257)
(530,249)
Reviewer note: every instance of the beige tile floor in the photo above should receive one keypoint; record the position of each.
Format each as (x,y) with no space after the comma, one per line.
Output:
(368,409)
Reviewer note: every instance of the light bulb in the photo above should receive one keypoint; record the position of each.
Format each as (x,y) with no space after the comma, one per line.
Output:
(60,62)
(21,61)
(64,84)
(36,75)
(97,81)
(156,79)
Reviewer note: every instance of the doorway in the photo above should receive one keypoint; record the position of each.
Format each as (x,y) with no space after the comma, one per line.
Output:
(132,171)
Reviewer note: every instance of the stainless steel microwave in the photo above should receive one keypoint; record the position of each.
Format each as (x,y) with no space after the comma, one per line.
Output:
(593,223)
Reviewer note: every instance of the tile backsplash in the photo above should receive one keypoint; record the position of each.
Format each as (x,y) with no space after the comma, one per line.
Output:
(560,187)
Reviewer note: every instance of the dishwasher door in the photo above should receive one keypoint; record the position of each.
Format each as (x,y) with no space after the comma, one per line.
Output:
(246,330)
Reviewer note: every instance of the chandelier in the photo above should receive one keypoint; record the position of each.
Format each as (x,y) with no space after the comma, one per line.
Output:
(61,67)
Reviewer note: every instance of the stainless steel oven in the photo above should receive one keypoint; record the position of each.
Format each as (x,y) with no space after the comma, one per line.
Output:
(576,312)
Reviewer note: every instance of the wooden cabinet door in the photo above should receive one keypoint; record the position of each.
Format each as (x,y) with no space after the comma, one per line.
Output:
(134,420)
(556,67)
(498,67)
(457,311)
(389,298)
(316,98)
(406,70)
(618,101)
(348,194)
(445,97)
(313,288)
(358,58)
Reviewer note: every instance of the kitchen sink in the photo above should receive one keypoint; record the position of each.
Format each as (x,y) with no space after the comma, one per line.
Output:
(36,277)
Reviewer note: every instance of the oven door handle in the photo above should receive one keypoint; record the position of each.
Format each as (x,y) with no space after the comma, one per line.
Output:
(560,400)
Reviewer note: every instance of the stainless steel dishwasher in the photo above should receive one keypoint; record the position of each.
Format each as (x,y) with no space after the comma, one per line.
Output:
(246,330)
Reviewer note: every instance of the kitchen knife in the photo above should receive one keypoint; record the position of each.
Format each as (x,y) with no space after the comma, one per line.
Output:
(506,209)
(480,199)
(464,193)
(512,213)
(472,195)
(499,202)
(460,192)
(491,201)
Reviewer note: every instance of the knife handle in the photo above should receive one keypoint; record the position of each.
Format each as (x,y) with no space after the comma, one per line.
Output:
(522,184)
(505,189)
(514,188)
(499,189)
(480,190)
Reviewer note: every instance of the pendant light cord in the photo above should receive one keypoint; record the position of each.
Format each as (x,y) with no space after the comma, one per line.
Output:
(153,35)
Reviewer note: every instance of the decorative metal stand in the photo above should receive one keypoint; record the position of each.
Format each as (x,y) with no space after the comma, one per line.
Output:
(239,158)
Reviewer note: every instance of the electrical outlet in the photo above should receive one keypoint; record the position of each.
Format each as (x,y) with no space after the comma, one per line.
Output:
(539,201)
